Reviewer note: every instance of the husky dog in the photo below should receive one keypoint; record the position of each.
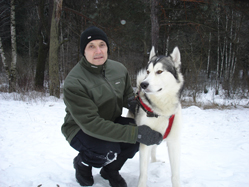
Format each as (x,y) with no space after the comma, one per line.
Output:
(159,89)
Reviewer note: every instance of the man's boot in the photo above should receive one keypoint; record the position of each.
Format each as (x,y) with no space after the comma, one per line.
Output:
(111,172)
(83,172)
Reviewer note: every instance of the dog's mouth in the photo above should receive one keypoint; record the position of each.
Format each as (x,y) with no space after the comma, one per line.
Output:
(150,91)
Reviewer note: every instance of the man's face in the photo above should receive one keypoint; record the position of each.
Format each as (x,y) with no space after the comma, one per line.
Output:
(96,52)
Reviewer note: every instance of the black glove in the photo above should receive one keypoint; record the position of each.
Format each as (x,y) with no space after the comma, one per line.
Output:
(132,103)
(148,136)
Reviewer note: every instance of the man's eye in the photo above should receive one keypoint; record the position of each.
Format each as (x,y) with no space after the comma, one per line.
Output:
(159,71)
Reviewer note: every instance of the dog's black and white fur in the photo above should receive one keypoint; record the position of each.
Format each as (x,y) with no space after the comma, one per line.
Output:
(159,87)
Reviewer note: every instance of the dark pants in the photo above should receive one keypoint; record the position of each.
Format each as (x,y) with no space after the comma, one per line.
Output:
(98,153)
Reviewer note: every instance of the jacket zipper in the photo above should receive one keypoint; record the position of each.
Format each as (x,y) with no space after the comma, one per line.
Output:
(103,74)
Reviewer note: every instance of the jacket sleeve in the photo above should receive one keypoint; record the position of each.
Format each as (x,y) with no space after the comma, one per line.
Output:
(85,114)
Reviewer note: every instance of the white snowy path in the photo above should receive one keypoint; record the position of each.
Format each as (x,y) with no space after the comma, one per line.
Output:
(33,152)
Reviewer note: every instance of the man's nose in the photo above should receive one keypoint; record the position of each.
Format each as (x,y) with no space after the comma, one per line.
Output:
(98,50)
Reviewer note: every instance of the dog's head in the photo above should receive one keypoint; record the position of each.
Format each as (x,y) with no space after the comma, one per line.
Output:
(162,74)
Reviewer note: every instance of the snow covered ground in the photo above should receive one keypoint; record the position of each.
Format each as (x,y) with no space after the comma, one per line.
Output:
(33,152)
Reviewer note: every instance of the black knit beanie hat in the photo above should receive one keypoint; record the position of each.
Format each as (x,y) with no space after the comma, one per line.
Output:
(92,33)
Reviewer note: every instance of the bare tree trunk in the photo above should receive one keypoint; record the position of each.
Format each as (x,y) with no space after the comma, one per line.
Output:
(226,54)
(54,81)
(154,24)
(43,47)
(229,64)
(168,31)
(12,75)
(209,53)
(222,58)
(231,45)
(11,72)
(5,65)
(167,46)
(62,55)
(218,56)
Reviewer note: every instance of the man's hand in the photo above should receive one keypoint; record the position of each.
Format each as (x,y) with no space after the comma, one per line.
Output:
(148,136)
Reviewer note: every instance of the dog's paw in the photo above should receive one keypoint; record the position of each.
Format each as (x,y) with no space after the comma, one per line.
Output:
(156,160)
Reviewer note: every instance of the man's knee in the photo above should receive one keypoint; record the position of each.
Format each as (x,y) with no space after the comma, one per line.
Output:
(98,159)
(95,152)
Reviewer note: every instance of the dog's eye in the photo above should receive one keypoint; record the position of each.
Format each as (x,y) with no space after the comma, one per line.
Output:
(148,72)
(159,71)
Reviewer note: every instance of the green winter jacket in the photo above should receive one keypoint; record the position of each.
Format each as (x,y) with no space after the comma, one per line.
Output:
(94,98)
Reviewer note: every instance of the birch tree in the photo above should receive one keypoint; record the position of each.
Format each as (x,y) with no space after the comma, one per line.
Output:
(4,23)
(11,72)
(12,76)
(218,52)
(54,81)
(5,65)
(223,51)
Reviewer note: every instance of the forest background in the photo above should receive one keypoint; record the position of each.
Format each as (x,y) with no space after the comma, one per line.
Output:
(39,41)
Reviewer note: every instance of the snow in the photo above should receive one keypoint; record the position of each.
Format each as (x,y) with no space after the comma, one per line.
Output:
(33,152)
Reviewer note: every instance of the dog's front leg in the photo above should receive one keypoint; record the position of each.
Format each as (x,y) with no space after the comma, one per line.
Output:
(153,153)
(174,157)
(144,154)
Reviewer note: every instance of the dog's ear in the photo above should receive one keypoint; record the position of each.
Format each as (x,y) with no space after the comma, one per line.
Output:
(152,52)
(176,56)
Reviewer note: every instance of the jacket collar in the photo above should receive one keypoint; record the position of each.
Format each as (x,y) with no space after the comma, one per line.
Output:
(92,68)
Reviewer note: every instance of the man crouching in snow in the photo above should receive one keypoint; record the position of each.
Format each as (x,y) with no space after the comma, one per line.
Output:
(95,91)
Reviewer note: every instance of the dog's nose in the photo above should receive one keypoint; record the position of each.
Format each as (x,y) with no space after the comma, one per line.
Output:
(144,85)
